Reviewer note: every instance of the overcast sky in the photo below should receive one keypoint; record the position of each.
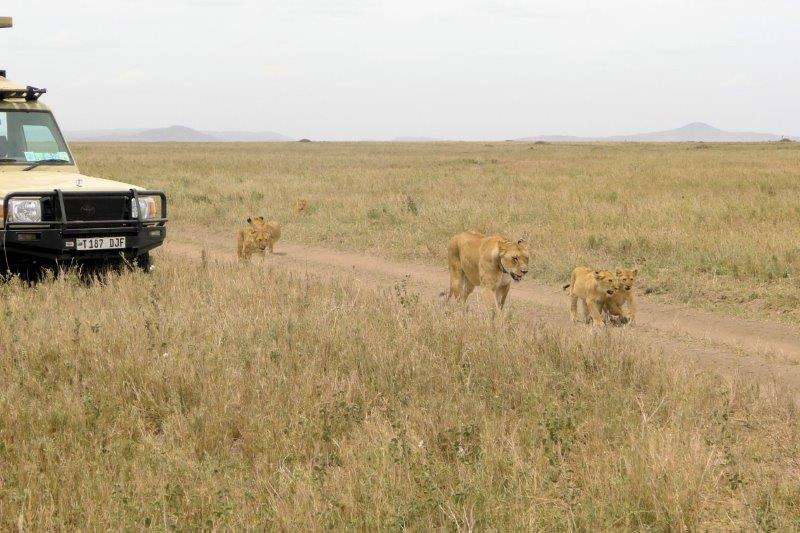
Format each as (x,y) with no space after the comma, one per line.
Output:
(463,69)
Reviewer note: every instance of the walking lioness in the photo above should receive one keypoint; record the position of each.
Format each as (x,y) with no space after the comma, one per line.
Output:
(489,262)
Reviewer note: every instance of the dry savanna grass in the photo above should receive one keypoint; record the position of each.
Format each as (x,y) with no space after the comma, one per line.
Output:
(239,396)
(217,396)
(715,227)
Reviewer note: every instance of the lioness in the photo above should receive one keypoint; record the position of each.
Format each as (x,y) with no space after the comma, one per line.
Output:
(258,237)
(300,205)
(593,288)
(490,262)
(624,294)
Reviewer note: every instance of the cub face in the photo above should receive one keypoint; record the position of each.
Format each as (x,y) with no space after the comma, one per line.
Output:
(259,232)
(606,282)
(514,259)
(626,278)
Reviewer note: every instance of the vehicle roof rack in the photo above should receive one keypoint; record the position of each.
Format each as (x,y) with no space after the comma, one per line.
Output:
(31,94)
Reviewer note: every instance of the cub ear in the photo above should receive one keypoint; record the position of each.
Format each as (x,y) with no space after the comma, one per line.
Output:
(619,272)
(597,274)
(521,241)
(249,220)
(635,271)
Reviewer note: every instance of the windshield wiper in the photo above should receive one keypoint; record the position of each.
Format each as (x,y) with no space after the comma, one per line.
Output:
(7,160)
(47,162)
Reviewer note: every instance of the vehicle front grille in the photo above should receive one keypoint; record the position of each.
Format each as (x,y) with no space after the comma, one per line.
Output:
(89,208)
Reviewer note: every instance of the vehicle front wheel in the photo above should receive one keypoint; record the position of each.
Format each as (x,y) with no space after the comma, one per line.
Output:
(143,262)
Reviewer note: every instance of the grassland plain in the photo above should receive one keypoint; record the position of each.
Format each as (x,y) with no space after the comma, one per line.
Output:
(215,396)
(710,225)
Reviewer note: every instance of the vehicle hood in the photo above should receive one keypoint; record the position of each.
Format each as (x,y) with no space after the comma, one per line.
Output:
(45,180)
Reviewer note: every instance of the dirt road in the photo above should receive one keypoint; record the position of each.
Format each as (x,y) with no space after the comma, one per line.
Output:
(768,351)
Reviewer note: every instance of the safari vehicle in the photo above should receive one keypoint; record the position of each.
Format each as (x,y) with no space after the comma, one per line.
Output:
(51,213)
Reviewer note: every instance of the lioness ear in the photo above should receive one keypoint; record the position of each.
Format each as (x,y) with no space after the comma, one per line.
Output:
(521,241)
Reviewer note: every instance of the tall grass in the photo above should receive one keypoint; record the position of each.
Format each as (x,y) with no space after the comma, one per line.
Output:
(210,396)
(714,227)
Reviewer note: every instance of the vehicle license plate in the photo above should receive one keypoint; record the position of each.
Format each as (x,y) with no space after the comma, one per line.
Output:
(100,243)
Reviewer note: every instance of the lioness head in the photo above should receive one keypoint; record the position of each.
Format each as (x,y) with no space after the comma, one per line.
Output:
(626,277)
(259,231)
(514,259)
(606,282)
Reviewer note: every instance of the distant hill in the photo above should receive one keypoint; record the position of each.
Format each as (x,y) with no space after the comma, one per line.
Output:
(247,136)
(696,131)
(87,135)
(414,139)
(173,134)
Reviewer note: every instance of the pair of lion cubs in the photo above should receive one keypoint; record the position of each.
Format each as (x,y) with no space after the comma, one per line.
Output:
(258,237)
(493,262)
(262,235)
(602,293)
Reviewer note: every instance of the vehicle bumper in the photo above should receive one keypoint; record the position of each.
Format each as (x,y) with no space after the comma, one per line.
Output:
(55,240)
(38,244)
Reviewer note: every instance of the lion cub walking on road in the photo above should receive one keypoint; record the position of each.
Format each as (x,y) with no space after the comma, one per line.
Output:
(594,288)
(624,294)
(257,238)
(489,262)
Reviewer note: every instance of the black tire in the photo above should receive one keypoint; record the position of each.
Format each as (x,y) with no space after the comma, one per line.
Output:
(143,262)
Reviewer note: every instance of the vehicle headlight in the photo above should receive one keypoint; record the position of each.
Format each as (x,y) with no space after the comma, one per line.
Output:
(25,210)
(146,205)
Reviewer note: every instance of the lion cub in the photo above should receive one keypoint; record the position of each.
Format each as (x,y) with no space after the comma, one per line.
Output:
(594,288)
(300,205)
(490,262)
(260,236)
(624,294)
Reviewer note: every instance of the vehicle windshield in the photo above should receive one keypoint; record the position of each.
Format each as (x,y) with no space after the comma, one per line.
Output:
(30,136)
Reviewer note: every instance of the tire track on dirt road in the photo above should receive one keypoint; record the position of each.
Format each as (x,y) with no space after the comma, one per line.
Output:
(731,346)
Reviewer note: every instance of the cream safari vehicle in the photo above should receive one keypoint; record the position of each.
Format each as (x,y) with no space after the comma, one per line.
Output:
(51,213)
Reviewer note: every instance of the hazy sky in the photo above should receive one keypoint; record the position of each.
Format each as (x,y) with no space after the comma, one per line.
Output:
(465,69)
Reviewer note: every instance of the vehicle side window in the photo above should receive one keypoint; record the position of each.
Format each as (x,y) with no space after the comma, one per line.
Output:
(39,138)
(4,147)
